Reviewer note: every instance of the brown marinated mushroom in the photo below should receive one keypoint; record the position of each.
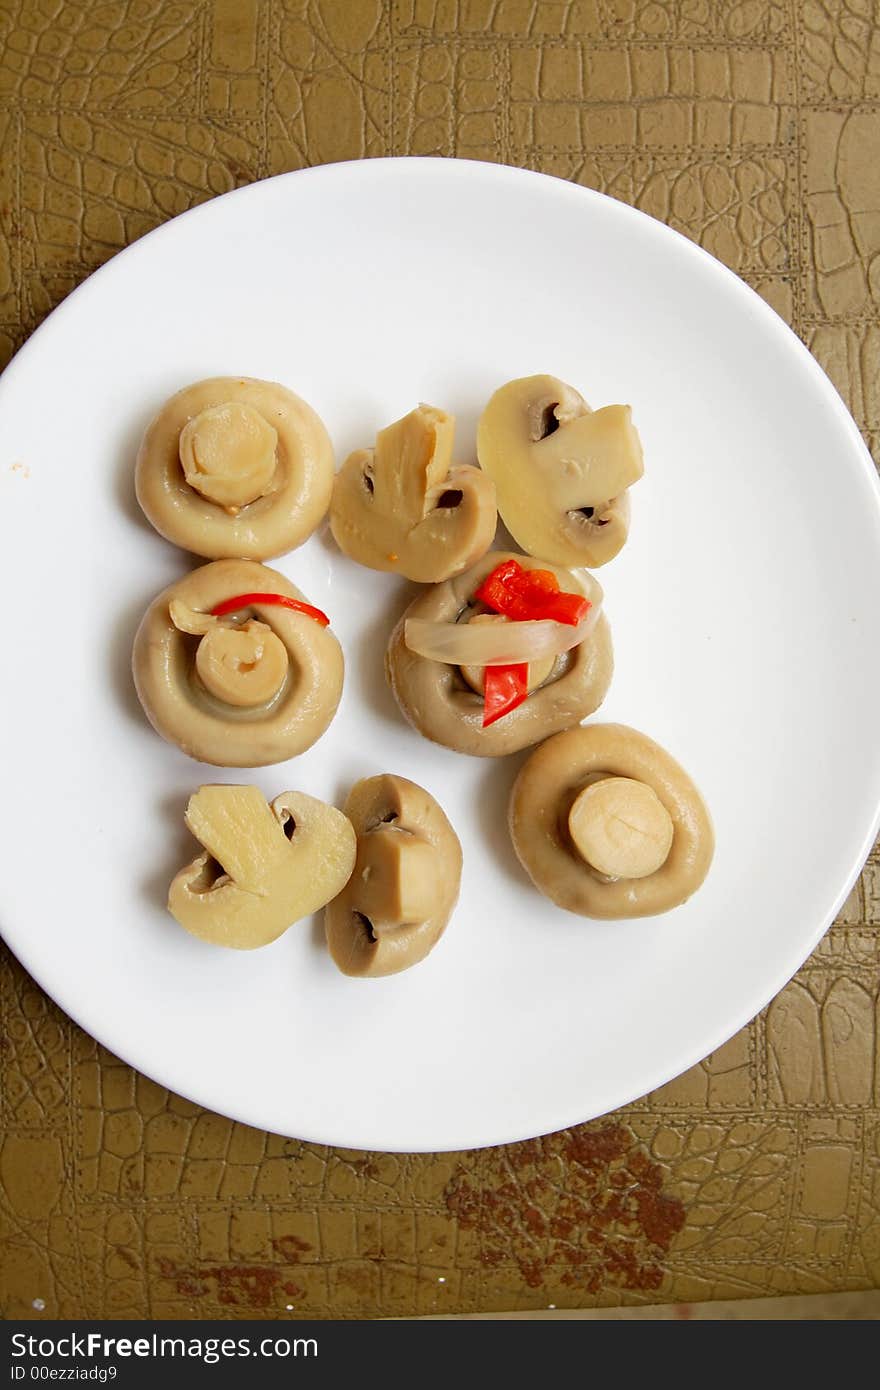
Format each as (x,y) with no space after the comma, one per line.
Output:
(232,467)
(256,686)
(607,824)
(263,866)
(406,508)
(398,901)
(444,702)
(561,470)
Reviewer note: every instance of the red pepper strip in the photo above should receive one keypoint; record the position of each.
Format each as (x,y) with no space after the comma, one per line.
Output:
(493,591)
(570,609)
(526,595)
(232,605)
(506,687)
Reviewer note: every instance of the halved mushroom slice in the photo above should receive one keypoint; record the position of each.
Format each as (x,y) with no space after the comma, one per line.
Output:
(255,686)
(406,508)
(561,471)
(607,824)
(398,901)
(263,867)
(445,701)
(235,467)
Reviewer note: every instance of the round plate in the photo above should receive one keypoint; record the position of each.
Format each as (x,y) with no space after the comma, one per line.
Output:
(744,611)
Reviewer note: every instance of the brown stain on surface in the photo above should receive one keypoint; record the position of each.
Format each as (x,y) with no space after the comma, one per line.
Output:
(290,1248)
(248,1286)
(588,1199)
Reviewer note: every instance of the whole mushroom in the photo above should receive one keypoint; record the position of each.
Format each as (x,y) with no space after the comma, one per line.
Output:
(445,702)
(233,467)
(257,685)
(404,507)
(607,824)
(561,470)
(400,896)
(263,866)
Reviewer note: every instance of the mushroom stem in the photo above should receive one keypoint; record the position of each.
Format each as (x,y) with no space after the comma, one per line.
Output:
(412,457)
(239,831)
(227,453)
(242,666)
(620,827)
(400,879)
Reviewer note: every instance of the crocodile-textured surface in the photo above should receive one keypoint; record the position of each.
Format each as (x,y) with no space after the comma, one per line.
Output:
(753,126)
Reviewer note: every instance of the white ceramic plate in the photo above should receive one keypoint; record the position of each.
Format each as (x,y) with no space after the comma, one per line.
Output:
(744,611)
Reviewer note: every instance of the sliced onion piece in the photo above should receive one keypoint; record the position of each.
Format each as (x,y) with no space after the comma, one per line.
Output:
(500,643)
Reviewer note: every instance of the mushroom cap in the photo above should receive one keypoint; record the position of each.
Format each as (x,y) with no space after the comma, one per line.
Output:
(213,730)
(439,702)
(405,883)
(403,507)
(263,867)
(292,504)
(551,784)
(561,470)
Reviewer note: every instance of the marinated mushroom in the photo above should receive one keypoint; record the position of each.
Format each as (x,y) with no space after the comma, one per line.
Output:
(445,701)
(405,507)
(255,685)
(398,901)
(232,467)
(561,470)
(263,866)
(607,824)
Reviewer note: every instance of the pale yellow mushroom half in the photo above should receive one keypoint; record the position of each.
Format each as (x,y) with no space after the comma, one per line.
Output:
(607,824)
(404,507)
(255,687)
(399,898)
(445,703)
(235,467)
(263,866)
(561,470)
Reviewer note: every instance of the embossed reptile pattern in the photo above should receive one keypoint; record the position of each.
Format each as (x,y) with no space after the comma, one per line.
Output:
(753,126)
